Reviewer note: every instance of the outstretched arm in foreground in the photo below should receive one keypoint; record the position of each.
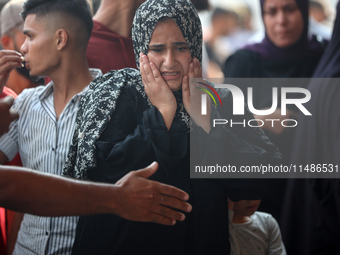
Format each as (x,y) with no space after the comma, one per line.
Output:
(133,197)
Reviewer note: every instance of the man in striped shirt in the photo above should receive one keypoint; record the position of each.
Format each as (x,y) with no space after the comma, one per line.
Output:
(57,33)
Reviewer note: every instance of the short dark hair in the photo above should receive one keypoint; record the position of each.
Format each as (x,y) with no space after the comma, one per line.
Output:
(78,9)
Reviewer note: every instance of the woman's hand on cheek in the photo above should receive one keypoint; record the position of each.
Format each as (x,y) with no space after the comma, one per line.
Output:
(194,71)
(158,91)
(192,102)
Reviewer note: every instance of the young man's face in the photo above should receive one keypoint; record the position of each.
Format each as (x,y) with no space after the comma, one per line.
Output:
(39,47)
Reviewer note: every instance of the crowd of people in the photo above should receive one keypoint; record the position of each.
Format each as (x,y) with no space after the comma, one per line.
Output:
(118,97)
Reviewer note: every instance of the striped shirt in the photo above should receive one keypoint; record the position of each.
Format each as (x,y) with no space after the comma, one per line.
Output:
(43,143)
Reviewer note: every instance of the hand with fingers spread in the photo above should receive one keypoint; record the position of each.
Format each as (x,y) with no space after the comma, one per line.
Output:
(6,115)
(192,102)
(146,200)
(158,90)
(9,59)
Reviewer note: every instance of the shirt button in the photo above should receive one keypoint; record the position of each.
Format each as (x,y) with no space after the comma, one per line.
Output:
(46,233)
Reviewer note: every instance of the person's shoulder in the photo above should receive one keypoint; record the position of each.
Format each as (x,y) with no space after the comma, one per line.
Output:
(263,215)
(117,77)
(114,80)
(31,91)
(28,97)
(241,64)
(244,52)
(265,219)
(243,55)
(30,94)
(110,86)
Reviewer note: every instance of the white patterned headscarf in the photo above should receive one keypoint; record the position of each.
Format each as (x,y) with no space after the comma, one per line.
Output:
(182,12)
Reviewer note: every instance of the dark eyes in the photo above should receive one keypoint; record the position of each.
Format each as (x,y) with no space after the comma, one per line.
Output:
(270,12)
(29,36)
(156,50)
(161,50)
(289,9)
(286,9)
(184,48)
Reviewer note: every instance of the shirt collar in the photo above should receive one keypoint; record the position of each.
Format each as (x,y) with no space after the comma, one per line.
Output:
(48,90)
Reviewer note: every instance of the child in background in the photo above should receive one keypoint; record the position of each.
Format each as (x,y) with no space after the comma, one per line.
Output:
(252,232)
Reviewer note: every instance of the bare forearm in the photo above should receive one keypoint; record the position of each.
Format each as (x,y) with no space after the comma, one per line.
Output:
(36,193)
(133,197)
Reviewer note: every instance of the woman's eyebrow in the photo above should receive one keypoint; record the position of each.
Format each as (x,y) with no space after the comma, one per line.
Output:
(157,45)
(273,7)
(163,45)
(179,43)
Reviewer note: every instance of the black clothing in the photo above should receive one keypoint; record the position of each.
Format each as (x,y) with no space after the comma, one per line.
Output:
(312,219)
(119,130)
(248,64)
(135,136)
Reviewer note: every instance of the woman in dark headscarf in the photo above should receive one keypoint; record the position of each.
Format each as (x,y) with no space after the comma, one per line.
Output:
(285,52)
(312,221)
(129,118)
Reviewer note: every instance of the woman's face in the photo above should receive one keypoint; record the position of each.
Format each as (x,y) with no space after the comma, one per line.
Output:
(169,51)
(283,21)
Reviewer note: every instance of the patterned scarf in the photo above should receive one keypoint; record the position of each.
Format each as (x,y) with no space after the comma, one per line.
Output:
(181,11)
(99,103)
